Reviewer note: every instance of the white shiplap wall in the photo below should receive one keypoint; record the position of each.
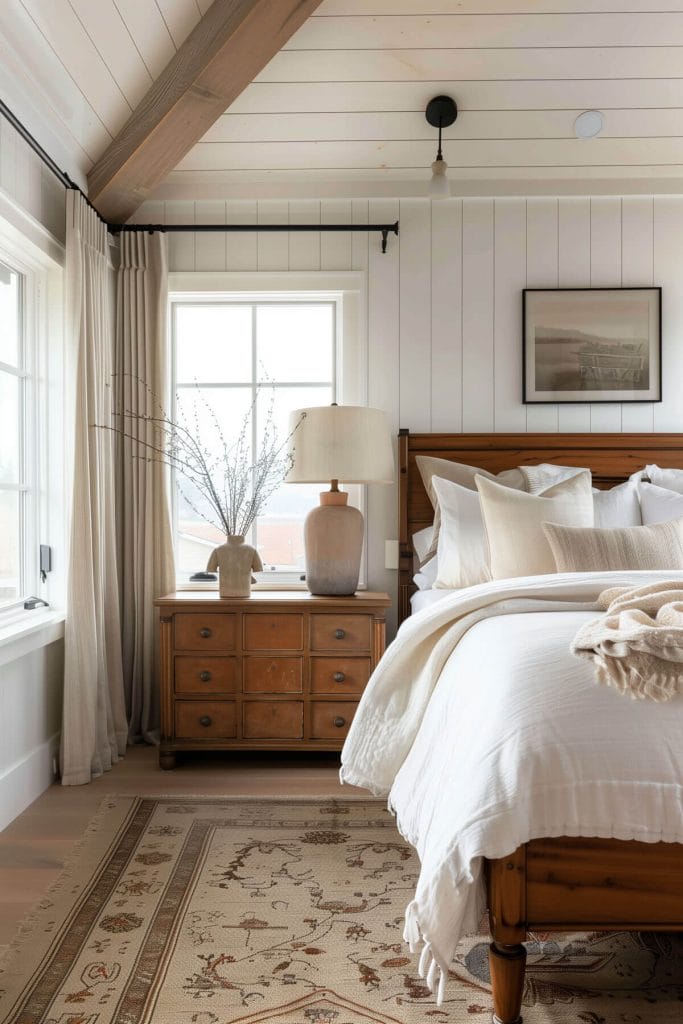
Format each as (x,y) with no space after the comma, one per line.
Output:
(29,184)
(445,305)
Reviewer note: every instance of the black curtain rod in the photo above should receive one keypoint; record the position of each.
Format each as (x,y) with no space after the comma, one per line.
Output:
(385,229)
(115,229)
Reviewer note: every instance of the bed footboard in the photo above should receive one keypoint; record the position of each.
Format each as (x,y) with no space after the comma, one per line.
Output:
(575,884)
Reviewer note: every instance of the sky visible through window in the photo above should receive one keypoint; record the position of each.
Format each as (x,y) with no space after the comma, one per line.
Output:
(230,357)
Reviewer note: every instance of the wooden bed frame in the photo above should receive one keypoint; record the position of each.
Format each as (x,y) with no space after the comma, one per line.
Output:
(559,884)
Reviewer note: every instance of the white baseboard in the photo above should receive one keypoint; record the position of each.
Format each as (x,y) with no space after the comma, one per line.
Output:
(25,780)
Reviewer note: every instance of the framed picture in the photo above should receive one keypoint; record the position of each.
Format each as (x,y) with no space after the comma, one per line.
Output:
(592,345)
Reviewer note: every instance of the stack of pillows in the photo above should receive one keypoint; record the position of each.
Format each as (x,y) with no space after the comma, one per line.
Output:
(544,519)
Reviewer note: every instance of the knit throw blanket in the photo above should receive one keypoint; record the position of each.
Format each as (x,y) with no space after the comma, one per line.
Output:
(637,646)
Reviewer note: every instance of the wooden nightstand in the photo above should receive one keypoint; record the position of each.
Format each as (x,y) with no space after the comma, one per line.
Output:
(280,670)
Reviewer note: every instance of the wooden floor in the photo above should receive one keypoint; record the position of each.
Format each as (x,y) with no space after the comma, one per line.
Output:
(35,846)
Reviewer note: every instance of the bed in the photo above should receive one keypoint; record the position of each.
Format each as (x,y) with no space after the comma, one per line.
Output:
(557,883)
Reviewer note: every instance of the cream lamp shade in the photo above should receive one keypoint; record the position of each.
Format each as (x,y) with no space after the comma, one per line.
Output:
(337,442)
(350,443)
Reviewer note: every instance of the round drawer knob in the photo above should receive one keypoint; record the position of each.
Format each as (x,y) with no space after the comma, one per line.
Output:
(339,722)
(339,634)
(339,677)
(205,633)
(205,676)
(205,720)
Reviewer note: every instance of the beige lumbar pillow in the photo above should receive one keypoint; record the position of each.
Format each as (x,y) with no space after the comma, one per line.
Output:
(457,473)
(659,546)
(514,523)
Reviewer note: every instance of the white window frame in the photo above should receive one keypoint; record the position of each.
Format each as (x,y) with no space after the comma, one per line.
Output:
(347,289)
(30,251)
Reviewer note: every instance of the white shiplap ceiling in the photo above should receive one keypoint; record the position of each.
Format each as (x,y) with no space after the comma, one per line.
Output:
(340,110)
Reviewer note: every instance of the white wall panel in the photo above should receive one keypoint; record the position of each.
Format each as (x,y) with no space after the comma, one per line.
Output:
(304,246)
(509,280)
(415,305)
(446,314)
(335,246)
(668,272)
(210,248)
(242,246)
(637,270)
(574,271)
(477,314)
(605,273)
(542,260)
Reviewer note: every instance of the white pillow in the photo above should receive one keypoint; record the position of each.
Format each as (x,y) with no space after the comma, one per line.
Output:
(672,479)
(462,552)
(659,504)
(617,507)
(459,473)
(426,577)
(422,541)
(514,523)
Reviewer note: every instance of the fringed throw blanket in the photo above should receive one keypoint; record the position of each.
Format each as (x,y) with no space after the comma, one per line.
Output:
(637,646)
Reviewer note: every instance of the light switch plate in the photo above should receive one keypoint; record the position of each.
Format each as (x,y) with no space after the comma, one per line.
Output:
(391,554)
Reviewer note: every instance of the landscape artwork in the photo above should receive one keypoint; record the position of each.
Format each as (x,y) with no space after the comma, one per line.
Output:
(592,345)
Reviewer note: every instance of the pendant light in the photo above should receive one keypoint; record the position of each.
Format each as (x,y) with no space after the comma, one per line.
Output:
(440,113)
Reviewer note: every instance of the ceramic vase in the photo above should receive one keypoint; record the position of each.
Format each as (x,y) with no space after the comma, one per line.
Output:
(234,561)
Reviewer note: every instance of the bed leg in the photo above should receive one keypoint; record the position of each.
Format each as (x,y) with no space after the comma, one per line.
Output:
(507,965)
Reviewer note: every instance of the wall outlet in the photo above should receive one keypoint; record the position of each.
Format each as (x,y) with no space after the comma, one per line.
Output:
(391,554)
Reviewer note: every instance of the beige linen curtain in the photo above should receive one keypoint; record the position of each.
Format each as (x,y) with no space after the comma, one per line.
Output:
(94,726)
(146,566)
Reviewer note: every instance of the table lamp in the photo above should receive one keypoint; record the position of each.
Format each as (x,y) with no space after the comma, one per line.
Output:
(347,443)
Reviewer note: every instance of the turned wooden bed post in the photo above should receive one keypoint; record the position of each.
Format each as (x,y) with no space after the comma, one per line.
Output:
(507,916)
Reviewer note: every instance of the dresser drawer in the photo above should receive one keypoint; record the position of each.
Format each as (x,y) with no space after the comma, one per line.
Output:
(330,719)
(340,632)
(205,719)
(201,674)
(273,675)
(339,675)
(276,632)
(204,631)
(273,720)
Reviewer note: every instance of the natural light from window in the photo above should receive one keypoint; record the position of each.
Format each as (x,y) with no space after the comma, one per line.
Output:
(12,475)
(231,357)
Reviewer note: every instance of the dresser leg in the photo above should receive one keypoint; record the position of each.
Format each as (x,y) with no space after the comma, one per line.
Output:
(507,965)
(167,760)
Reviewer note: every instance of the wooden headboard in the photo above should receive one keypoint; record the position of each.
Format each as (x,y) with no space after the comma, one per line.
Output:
(611,458)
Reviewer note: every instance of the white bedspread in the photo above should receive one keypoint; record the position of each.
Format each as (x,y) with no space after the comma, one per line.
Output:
(486,732)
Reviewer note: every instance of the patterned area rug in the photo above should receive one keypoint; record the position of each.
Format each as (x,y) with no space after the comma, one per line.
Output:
(205,911)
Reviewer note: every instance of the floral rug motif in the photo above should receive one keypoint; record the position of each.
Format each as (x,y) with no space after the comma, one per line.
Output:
(206,911)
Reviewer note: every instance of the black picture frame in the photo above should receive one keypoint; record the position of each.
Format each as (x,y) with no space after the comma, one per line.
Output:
(591,345)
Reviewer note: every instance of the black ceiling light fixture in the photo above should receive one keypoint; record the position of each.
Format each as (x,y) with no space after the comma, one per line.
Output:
(440,113)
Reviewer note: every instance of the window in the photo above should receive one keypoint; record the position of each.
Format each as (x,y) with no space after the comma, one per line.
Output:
(238,362)
(17,460)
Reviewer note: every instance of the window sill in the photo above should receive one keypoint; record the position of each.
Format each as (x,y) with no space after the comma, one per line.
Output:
(29,631)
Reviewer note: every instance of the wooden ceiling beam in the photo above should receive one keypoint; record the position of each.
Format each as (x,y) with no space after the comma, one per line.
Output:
(224,52)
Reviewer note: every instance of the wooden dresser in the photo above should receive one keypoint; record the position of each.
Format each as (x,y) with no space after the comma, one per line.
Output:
(280,670)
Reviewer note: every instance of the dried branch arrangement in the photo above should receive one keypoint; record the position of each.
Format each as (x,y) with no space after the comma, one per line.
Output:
(235,487)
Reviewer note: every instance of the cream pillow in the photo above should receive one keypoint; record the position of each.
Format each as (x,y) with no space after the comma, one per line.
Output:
(459,473)
(514,523)
(659,546)
(462,552)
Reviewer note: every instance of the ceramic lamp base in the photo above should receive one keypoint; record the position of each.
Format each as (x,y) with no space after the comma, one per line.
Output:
(333,536)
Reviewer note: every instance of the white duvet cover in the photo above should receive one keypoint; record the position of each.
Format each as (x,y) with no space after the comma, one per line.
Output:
(486,732)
